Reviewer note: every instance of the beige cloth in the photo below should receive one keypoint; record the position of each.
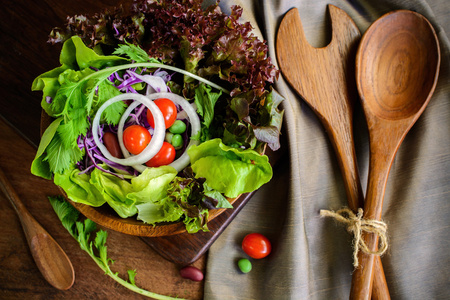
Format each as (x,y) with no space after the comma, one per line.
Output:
(312,256)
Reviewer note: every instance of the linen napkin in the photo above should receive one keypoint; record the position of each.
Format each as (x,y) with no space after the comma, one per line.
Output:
(312,256)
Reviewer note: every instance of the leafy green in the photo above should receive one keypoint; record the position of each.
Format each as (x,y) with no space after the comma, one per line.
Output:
(59,157)
(205,100)
(39,166)
(202,40)
(161,210)
(209,192)
(78,55)
(157,195)
(202,45)
(75,90)
(151,196)
(187,198)
(97,249)
(114,190)
(135,53)
(78,187)
(151,185)
(186,193)
(270,133)
(246,170)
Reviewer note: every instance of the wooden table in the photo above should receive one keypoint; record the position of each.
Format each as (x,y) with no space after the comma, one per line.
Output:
(24,27)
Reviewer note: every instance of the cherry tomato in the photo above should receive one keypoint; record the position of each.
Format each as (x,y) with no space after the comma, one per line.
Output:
(164,157)
(256,245)
(168,109)
(136,138)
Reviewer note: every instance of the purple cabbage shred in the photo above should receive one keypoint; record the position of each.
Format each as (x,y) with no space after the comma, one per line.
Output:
(94,157)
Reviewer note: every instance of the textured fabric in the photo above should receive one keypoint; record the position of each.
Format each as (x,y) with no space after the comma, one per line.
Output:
(312,256)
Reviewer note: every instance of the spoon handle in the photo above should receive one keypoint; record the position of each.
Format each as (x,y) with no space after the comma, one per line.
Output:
(27,220)
(381,158)
(50,258)
(343,143)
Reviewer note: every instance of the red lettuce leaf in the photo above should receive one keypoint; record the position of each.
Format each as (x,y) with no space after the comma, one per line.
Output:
(204,41)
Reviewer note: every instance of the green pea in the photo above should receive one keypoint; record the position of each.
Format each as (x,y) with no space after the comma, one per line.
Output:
(177,141)
(178,127)
(168,137)
(244,265)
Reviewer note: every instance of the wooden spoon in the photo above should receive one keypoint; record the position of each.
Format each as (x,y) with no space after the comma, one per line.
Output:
(397,67)
(324,77)
(50,258)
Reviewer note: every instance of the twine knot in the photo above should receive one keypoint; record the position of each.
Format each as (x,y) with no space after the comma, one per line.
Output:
(356,224)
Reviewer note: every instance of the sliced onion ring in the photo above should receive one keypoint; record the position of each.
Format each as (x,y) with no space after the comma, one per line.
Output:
(158,136)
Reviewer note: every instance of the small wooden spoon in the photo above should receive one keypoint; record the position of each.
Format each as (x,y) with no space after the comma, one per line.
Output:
(324,77)
(50,258)
(397,67)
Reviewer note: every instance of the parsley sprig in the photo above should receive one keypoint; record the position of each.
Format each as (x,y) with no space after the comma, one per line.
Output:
(96,248)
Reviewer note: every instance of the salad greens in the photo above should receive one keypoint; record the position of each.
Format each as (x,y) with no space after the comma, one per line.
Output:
(96,248)
(215,63)
(248,164)
(203,41)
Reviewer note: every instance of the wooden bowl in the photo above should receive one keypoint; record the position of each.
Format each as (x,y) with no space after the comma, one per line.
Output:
(105,216)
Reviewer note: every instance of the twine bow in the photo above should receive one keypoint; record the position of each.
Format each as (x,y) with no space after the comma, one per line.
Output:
(356,224)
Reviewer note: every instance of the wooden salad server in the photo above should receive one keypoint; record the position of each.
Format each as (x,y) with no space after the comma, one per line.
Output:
(397,67)
(50,258)
(324,78)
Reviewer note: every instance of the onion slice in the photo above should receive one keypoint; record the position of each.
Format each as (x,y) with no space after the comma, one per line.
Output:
(158,136)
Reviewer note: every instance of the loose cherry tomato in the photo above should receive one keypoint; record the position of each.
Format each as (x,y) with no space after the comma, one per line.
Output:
(164,157)
(168,109)
(256,245)
(136,138)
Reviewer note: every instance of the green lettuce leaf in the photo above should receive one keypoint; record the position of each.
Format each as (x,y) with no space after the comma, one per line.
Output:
(78,187)
(196,224)
(229,170)
(49,84)
(222,202)
(186,193)
(39,166)
(162,211)
(151,185)
(86,57)
(114,190)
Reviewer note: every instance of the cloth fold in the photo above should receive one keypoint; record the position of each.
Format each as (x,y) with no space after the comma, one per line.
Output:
(312,256)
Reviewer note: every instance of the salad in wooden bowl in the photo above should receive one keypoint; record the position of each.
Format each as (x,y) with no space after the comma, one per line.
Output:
(158,116)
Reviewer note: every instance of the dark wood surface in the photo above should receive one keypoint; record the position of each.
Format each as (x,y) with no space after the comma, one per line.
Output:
(24,28)
(25,53)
